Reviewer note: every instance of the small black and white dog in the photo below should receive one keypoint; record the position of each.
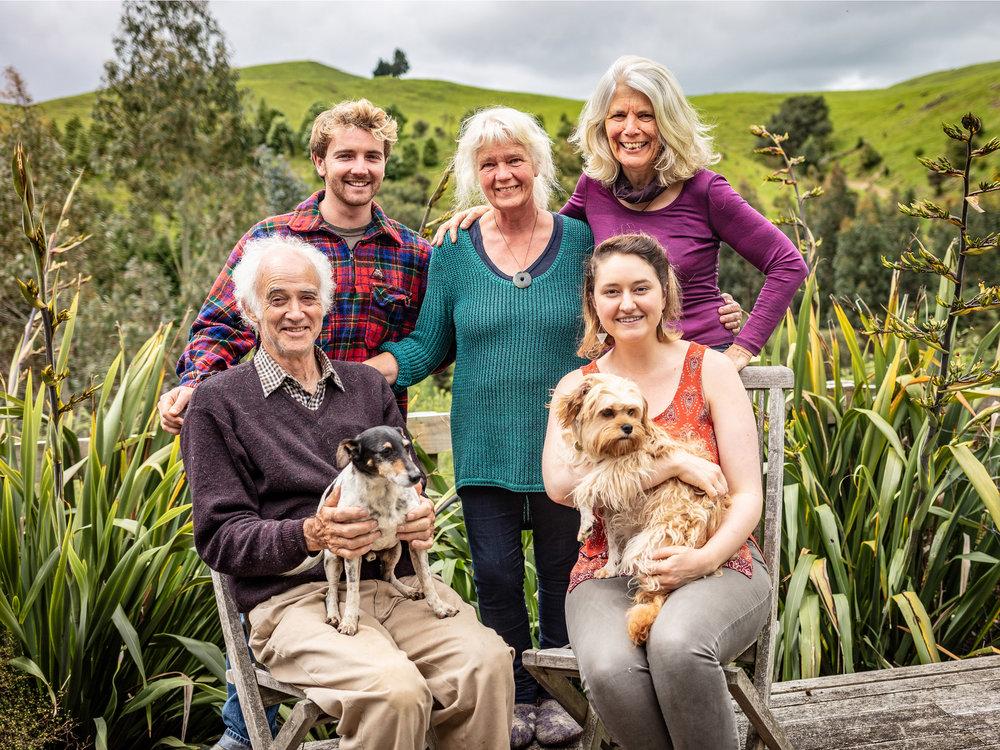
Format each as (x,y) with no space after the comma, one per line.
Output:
(377,474)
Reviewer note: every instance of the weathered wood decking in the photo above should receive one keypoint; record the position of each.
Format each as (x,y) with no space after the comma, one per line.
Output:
(949,706)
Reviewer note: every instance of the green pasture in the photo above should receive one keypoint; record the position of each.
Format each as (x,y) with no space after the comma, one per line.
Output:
(893,120)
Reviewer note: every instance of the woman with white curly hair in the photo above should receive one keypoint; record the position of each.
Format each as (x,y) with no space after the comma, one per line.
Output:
(646,157)
(505,296)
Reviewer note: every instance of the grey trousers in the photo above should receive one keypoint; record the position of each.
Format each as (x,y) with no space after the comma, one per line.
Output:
(672,692)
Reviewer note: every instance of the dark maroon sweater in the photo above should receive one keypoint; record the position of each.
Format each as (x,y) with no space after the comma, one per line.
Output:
(257,468)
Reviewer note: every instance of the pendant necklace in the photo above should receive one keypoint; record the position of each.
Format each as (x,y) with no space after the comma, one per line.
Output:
(522,279)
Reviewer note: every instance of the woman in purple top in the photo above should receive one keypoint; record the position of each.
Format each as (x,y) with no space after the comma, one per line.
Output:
(646,154)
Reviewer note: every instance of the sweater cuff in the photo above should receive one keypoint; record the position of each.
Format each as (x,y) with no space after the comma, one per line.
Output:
(749,346)
(404,377)
(293,537)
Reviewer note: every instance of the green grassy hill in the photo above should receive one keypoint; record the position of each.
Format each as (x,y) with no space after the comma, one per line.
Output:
(901,121)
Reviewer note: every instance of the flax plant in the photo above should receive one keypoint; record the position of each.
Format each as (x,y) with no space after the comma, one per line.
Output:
(108,606)
(891,554)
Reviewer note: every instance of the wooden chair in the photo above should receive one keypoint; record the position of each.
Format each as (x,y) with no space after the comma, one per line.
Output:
(556,669)
(258,689)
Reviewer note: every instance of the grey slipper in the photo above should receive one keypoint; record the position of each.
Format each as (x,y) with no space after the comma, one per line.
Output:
(522,731)
(554,726)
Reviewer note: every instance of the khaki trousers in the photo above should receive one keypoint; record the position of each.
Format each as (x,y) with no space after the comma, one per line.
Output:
(403,673)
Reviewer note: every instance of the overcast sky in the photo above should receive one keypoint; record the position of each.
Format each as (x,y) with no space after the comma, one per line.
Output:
(546,47)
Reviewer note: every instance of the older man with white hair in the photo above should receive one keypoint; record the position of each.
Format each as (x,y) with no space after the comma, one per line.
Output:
(259,441)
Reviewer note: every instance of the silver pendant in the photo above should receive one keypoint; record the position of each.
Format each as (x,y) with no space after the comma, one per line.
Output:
(522,279)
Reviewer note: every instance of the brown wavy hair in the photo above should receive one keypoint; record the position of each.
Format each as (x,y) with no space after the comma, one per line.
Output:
(651,251)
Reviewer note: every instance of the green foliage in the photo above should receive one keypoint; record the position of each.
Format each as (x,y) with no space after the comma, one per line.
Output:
(870,158)
(27,721)
(891,510)
(398,67)
(283,190)
(170,104)
(397,114)
(420,128)
(104,592)
(806,119)
(280,138)
(430,157)
(305,128)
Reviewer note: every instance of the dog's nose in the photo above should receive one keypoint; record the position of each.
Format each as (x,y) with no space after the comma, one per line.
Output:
(414,477)
(627,429)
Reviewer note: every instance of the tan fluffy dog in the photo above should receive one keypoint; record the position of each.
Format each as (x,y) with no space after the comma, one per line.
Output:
(608,425)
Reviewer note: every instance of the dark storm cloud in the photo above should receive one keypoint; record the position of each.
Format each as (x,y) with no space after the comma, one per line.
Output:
(555,48)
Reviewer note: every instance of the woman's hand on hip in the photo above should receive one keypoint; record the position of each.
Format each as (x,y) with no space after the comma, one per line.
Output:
(459,220)
(672,567)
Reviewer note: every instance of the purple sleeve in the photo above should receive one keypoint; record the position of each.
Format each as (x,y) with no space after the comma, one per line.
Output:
(575,206)
(229,533)
(739,225)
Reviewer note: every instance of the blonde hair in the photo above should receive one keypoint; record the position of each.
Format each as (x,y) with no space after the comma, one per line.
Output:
(352,114)
(497,125)
(651,251)
(685,143)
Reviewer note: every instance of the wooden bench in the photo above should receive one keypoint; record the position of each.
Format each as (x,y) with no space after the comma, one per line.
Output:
(556,669)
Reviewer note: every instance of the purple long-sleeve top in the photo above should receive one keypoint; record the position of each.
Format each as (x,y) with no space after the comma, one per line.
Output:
(707,211)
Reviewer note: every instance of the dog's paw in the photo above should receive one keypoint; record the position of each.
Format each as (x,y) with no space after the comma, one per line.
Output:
(443,610)
(608,571)
(584,534)
(349,626)
(410,592)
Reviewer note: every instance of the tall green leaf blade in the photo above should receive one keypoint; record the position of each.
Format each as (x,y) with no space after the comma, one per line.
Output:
(131,638)
(981,480)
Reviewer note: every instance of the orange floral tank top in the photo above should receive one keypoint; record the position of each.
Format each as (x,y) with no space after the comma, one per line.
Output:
(686,417)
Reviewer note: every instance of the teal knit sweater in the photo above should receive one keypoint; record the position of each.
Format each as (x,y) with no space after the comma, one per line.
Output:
(511,348)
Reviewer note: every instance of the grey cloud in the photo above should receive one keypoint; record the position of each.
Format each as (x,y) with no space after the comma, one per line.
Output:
(553,48)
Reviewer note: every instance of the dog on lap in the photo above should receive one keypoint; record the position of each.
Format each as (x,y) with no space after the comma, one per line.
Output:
(259,441)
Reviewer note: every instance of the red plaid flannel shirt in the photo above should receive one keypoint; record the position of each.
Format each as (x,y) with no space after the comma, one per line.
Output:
(379,288)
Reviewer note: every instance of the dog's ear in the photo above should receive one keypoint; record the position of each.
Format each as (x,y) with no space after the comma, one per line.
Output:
(347,451)
(568,405)
(402,434)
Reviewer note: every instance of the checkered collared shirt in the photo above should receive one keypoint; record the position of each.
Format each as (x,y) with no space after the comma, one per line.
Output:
(274,376)
(379,287)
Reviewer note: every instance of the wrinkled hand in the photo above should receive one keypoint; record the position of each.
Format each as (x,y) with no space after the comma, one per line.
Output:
(672,567)
(171,406)
(739,356)
(418,530)
(700,473)
(460,220)
(731,314)
(347,532)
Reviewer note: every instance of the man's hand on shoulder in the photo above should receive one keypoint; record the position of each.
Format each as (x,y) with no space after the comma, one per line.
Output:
(172,405)
(347,532)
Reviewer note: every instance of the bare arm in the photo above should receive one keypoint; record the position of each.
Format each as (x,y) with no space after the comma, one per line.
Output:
(386,364)
(736,434)
(559,473)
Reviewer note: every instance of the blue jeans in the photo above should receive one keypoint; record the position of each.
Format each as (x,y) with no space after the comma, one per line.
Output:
(236,736)
(494,518)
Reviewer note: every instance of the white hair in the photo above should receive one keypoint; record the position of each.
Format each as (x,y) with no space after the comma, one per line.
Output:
(499,125)
(685,145)
(247,270)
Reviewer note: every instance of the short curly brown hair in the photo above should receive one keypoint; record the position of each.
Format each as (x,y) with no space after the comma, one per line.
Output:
(352,114)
